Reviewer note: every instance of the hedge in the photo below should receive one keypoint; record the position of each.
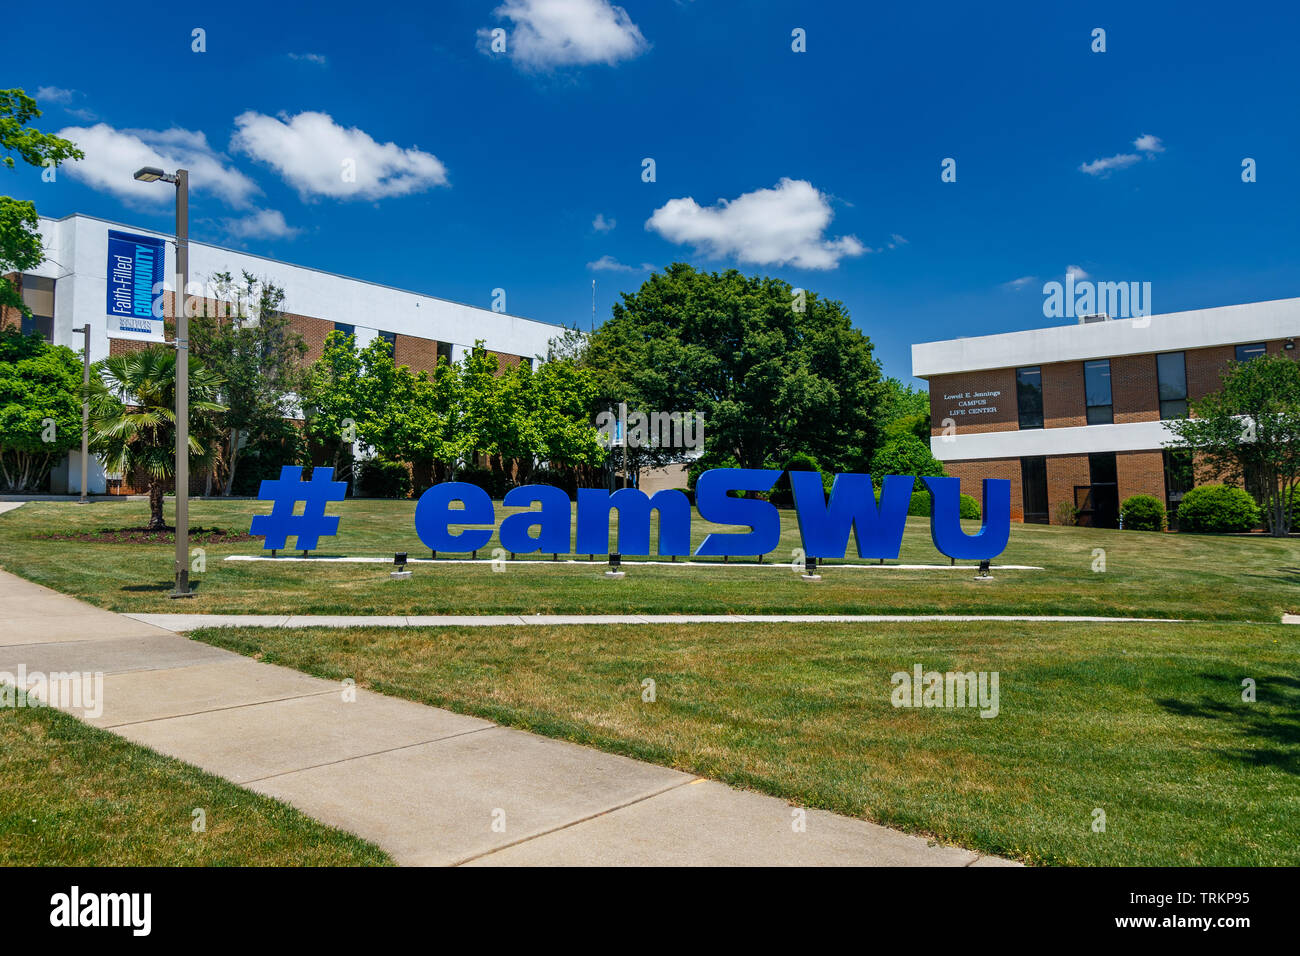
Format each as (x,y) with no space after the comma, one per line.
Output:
(1142,513)
(1217,508)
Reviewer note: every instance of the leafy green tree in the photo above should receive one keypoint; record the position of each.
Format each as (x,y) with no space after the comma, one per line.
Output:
(907,455)
(1249,432)
(40,407)
(248,342)
(904,411)
(331,401)
(773,372)
(133,417)
(20,242)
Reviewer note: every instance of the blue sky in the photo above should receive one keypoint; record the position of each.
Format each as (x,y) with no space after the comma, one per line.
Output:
(523,170)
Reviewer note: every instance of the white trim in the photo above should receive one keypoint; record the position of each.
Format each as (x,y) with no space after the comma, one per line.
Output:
(1075,440)
(1173,332)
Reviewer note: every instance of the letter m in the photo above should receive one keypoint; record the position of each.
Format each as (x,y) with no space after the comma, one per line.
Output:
(633,506)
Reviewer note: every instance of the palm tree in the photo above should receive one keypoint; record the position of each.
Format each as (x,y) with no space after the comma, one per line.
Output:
(133,417)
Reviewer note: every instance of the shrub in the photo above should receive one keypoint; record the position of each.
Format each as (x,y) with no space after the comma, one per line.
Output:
(377,478)
(1066,513)
(1142,513)
(905,456)
(782,494)
(563,479)
(920,506)
(1210,508)
(690,495)
(493,484)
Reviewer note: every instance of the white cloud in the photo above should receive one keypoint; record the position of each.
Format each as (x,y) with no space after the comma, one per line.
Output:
(551,33)
(763,227)
(1099,167)
(113,156)
(1149,144)
(1020,283)
(317,59)
(318,157)
(601,224)
(54,94)
(610,264)
(895,240)
(1076,271)
(261,224)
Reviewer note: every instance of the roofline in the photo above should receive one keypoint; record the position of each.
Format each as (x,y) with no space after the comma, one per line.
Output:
(295,265)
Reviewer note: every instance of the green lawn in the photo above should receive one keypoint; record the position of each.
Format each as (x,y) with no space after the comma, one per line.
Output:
(1151,575)
(72,795)
(1144,722)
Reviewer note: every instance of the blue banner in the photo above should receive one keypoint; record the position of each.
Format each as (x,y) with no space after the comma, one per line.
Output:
(136,265)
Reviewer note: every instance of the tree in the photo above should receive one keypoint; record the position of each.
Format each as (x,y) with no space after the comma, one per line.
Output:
(249,343)
(907,455)
(20,242)
(773,372)
(331,403)
(133,417)
(904,411)
(1249,432)
(40,407)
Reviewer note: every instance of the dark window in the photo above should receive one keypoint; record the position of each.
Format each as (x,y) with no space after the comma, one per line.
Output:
(1247,352)
(38,296)
(1171,373)
(1029,396)
(345,328)
(1096,389)
(391,339)
(444,352)
(1179,478)
(1033,484)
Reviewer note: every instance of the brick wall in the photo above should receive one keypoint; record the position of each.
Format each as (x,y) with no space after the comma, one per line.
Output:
(1063,403)
(420,354)
(10,316)
(972,473)
(1134,389)
(1140,473)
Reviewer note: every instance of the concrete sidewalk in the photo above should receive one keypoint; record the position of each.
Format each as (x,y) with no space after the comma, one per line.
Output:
(427,785)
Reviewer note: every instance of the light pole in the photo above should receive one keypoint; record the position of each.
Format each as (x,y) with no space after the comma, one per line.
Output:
(181,179)
(85,411)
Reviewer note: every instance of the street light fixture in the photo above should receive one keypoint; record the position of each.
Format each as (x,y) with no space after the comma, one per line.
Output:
(181,179)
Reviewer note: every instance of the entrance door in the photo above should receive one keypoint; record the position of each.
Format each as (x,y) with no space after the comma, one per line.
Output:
(1105,489)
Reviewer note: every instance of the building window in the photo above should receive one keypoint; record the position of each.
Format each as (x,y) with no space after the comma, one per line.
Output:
(345,328)
(1179,479)
(391,339)
(1171,374)
(444,352)
(1033,485)
(38,296)
(1029,396)
(1247,352)
(1096,390)
(1098,501)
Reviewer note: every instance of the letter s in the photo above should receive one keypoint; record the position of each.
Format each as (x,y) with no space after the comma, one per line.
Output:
(716,505)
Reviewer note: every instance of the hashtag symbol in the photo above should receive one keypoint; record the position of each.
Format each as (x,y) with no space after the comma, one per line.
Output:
(286,492)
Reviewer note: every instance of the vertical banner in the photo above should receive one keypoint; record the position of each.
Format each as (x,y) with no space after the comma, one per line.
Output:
(135,269)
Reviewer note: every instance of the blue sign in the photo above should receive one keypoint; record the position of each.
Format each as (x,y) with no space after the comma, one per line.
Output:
(824,525)
(136,265)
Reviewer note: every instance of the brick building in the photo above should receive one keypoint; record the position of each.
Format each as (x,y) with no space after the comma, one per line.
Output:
(1074,415)
(71,289)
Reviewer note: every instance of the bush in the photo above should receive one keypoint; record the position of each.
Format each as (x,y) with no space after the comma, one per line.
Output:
(493,484)
(377,478)
(1066,513)
(920,506)
(782,494)
(1142,513)
(1211,508)
(564,479)
(690,495)
(905,456)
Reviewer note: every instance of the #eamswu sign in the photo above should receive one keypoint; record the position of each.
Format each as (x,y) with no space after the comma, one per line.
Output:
(825,522)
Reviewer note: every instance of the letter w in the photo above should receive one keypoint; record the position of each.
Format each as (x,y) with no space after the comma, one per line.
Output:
(825,526)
